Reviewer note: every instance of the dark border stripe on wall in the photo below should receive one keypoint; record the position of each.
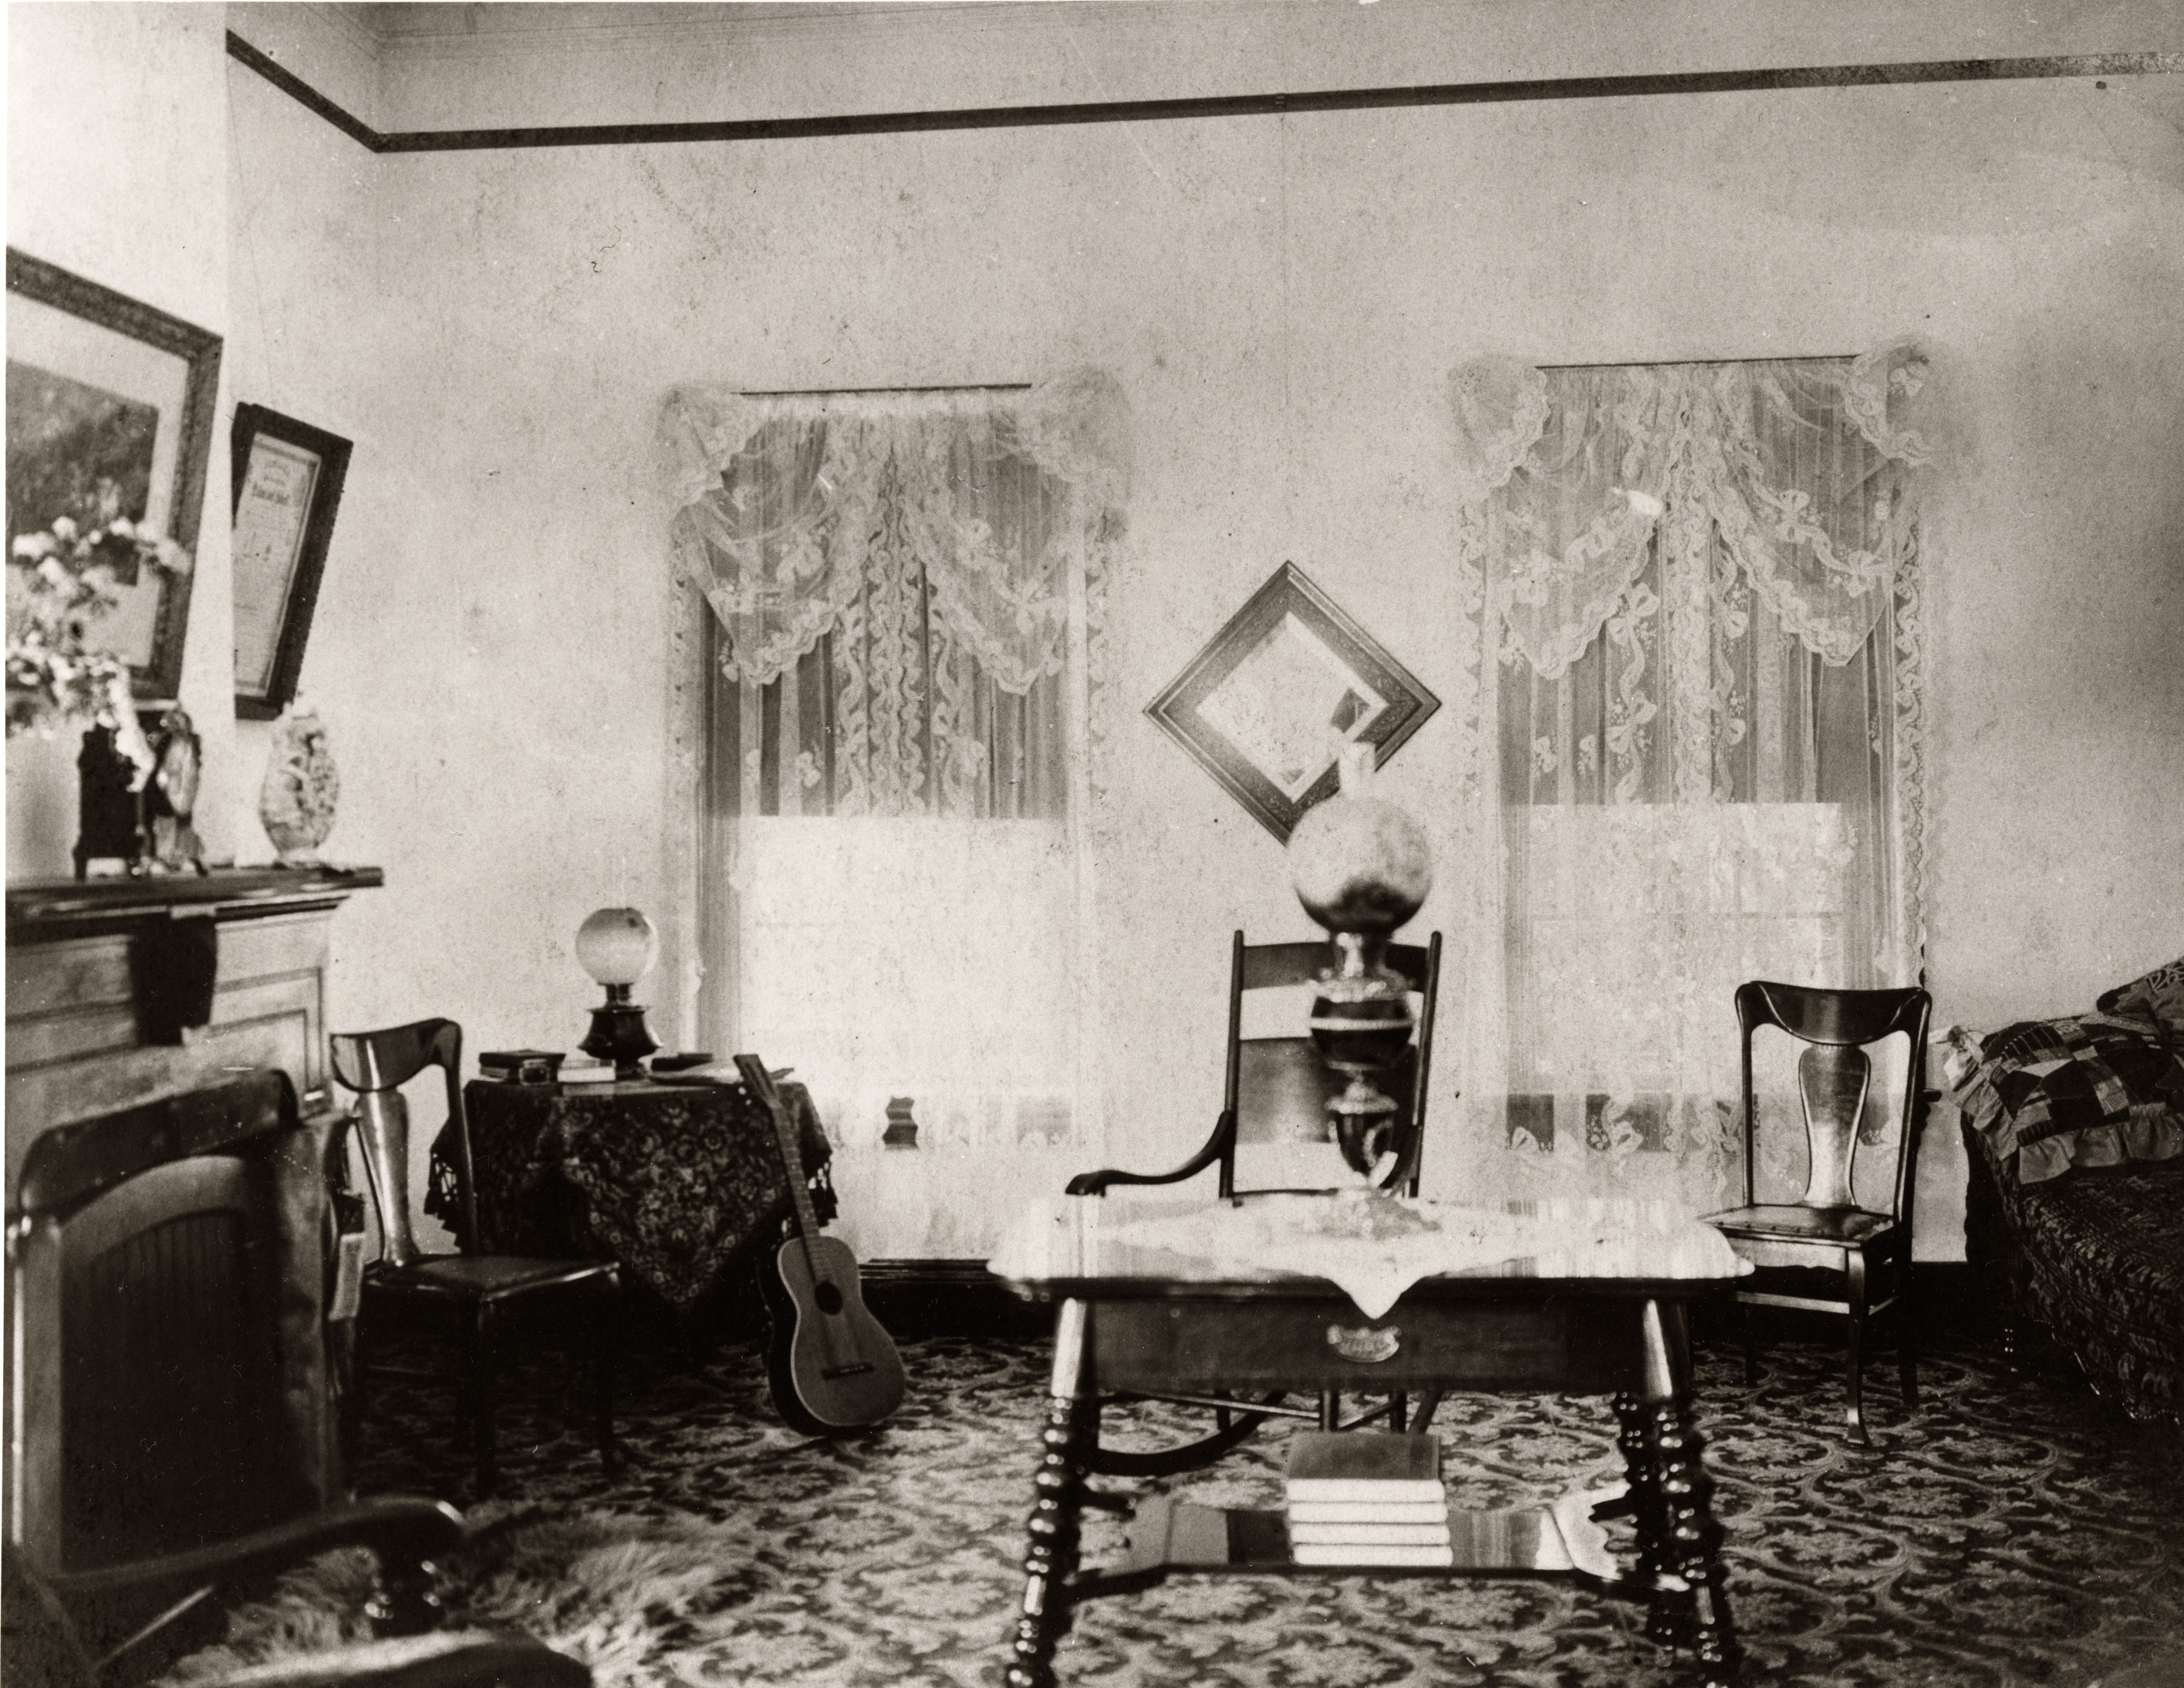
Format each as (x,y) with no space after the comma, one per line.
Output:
(304,93)
(1212,106)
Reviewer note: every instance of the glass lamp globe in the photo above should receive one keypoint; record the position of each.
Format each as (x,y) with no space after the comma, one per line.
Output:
(617,947)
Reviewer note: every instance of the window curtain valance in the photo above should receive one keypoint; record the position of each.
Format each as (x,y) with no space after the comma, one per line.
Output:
(793,514)
(1800,467)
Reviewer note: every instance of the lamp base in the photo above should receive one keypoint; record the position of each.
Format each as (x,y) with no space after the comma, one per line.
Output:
(619,1035)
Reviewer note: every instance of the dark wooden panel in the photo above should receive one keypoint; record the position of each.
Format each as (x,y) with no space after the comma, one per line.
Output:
(167,1281)
(1543,1344)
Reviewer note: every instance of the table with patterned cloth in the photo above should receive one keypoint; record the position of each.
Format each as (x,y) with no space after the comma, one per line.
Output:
(678,1182)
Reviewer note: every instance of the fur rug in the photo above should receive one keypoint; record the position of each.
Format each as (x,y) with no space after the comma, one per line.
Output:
(600,1587)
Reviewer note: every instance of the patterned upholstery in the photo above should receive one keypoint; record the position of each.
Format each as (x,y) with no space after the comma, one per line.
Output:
(2098,1258)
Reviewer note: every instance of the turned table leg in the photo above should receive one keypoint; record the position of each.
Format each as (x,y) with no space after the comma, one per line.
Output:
(1058,1495)
(1690,1600)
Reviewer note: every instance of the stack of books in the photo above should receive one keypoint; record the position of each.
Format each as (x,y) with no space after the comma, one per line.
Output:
(1363,1497)
(584,1069)
(520,1066)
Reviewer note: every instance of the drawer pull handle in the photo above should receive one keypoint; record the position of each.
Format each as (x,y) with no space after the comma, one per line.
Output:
(1365,1344)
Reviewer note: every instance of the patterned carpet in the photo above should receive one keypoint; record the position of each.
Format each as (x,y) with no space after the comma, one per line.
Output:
(2015,1532)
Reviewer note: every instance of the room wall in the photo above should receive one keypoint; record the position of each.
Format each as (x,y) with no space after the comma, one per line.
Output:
(1283,299)
(137,201)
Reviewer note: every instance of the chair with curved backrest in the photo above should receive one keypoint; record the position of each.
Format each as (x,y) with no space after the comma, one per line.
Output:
(1826,1225)
(1276,1090)
(473,1290)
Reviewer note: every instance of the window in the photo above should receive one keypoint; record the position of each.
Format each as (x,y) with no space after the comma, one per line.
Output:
(890,891)
(1696,733)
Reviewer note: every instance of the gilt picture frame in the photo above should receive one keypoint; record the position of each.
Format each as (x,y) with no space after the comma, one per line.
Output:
(287,487)
(1268,703)
(111,409)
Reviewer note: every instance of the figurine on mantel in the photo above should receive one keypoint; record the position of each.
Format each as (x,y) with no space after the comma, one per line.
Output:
(296,803)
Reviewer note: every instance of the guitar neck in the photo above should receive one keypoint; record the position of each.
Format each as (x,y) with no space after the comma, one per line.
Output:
(760,1083)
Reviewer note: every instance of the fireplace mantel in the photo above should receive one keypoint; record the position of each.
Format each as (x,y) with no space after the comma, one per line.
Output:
(124,991)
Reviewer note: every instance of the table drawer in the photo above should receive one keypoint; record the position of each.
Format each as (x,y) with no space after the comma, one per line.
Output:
(1545,1344)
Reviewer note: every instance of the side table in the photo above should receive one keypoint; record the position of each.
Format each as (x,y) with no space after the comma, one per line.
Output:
(678,1182)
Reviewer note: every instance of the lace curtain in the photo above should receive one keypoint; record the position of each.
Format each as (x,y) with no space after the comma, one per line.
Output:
(891,892)
(1696,735)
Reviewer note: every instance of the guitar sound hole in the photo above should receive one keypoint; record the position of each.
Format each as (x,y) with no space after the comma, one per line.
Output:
(828,1298)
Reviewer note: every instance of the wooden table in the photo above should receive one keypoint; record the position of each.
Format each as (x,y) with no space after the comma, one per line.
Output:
(1556,1314)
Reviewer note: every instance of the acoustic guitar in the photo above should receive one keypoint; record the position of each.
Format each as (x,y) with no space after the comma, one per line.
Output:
(830,1365)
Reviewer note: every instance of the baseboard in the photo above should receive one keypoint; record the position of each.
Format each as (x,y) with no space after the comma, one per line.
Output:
(949,1298)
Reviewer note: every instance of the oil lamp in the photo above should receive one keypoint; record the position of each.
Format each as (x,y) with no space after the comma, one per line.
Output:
(617,947)
(1361,867)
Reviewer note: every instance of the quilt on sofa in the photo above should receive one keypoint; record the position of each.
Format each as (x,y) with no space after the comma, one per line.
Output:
(2075,1130)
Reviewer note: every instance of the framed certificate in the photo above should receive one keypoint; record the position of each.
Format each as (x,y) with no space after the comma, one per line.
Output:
(288,480)
(110,413)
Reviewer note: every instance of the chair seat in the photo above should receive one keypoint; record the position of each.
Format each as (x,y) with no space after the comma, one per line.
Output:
(1792,1222)
(481,1277)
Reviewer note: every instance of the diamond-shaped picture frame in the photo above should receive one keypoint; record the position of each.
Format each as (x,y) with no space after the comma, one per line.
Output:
(1267,705)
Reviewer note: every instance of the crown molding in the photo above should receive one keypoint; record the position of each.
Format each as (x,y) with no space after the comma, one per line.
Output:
(1202,108)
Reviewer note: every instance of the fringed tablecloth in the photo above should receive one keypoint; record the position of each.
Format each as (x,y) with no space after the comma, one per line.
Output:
(678,1182)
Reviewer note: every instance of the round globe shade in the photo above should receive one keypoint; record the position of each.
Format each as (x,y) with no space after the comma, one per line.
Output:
(616,946)
(1359,864)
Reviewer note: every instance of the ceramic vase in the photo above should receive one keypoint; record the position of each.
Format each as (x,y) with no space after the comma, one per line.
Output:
(296,803)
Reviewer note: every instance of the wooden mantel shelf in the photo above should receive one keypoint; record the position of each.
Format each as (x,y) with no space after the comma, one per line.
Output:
(44,910)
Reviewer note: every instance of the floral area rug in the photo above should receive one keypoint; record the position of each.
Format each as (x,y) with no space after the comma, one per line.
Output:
(2016,1531)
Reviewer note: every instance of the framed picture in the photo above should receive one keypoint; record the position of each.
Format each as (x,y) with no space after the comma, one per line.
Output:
(1267,706)
(110,412)
(288,480)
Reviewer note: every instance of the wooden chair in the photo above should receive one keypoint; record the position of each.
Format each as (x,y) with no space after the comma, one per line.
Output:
(1827,1226)
(1276,1089)
(474,1291)
(166,1452)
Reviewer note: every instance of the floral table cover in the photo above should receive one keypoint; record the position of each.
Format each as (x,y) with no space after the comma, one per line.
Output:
(676,1182)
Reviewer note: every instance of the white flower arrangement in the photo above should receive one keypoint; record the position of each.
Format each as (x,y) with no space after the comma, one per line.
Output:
(60,584)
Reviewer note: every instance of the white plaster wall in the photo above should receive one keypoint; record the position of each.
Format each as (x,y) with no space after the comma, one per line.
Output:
(1283,300)
(136,200)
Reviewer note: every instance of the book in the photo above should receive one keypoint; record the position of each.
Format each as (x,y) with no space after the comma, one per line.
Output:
(1369,1535)
(520,1066)
(1362,1466)
(1434,1511)
(587,1073)
(1368,1512)
(1310,1553)
(517,1058)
